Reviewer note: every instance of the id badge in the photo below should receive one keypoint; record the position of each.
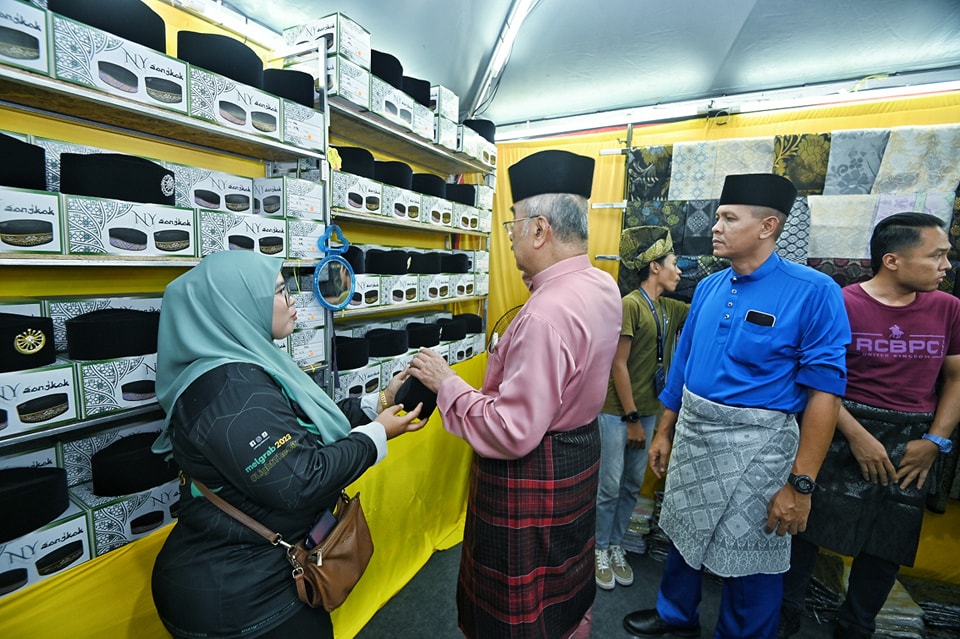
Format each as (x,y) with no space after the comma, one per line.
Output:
(660,379)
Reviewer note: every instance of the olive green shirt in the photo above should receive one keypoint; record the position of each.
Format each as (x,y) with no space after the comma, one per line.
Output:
(639,326)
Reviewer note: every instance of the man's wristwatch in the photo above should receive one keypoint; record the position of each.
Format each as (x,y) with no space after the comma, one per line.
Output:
(631,418)
(945,445)
(803,484)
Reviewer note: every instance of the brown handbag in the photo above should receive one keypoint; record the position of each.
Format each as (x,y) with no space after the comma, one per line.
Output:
(324,574)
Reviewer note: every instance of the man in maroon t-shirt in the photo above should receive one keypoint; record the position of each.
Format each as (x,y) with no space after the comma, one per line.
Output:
(869,498)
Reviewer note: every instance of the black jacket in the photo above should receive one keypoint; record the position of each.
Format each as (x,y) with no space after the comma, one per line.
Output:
(235,430)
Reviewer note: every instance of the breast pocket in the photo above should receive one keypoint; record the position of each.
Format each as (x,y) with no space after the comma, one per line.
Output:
(752,345)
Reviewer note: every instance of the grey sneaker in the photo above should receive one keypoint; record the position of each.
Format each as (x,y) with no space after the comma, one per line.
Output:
(622,572)
(605,578)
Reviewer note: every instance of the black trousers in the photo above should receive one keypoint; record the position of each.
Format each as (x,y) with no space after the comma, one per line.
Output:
(871,580)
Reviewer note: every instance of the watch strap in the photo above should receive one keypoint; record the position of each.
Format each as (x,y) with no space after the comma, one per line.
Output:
(945,445)
(803,484)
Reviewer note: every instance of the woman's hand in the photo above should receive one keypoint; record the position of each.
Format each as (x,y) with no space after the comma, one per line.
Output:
(390,392)
(395,424)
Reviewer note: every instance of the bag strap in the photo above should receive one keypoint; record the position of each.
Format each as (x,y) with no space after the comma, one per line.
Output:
(245,519)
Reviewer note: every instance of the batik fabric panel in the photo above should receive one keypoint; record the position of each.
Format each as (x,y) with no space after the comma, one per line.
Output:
(854,161)
(802,159)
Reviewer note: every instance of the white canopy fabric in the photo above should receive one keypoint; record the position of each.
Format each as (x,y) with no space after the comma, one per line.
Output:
(573,57)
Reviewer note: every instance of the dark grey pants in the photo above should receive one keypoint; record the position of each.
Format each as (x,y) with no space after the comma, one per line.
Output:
(871,580)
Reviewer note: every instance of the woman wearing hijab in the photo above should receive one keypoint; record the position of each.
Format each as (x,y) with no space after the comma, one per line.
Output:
(245,420)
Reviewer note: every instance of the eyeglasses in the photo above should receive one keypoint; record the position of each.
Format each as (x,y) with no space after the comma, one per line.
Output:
(508,225)
(285,292)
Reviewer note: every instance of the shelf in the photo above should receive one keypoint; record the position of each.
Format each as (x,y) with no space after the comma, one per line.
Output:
(52,98)
(362,128)
(403,308)
(111,419)
(381,220)
(31,259)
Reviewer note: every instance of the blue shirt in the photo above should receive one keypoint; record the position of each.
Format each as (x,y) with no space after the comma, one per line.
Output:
(761,340)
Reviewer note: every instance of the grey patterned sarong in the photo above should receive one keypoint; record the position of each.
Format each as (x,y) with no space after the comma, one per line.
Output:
(725,466)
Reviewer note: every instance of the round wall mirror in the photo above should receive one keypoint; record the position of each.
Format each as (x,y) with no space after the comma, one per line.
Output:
(334,280)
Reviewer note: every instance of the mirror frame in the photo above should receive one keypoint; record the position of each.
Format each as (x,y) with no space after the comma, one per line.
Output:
(334,255)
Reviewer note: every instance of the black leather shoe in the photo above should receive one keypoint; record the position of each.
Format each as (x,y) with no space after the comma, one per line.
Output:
(647,623)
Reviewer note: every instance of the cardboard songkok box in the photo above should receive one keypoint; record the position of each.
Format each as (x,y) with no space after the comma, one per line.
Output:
(331,35)
(115,521)
(23,36)
(45,552)
(30,221)
(445,103)
(302,238)
(38,398)
(290,197)
(211,190)
(99,60)
(230,232)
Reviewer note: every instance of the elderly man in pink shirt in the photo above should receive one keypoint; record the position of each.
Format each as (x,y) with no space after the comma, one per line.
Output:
(527,563)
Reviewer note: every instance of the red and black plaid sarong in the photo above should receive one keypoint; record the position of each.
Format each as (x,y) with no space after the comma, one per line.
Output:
(526,569)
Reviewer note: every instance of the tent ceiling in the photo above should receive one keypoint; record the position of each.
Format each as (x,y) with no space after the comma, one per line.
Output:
(573,57)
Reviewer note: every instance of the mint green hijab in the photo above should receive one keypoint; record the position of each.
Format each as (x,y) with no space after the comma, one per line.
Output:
(221,311)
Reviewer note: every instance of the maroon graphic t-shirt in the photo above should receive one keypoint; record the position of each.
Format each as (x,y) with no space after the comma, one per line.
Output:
(895,352)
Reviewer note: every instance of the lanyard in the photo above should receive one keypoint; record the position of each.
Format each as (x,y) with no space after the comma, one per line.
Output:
(656,320)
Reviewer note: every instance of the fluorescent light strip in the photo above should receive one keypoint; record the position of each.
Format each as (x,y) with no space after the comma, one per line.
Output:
(746,103)
(518,12)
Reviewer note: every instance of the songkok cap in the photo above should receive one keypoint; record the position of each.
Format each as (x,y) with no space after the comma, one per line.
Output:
(387,261)
(59,558)
(129,466)
(356,258)
(413,392)
(454,263)
(12,580)
(297,86)
(417,89)
(146,522)
(117,177)
(351,352)
(473,322)
(641,245)
(221,54)
(30,498)
(759,189)
(425,262)
(425,334)
(551,172)
(43,408)
(25,342)
(452,329)
(429,184)
(485,128)
(112,332)
(24,164)
(357,160)
(387,68)
(398,174)
(387,342)
(129,19)
(139,390)
(463,193)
